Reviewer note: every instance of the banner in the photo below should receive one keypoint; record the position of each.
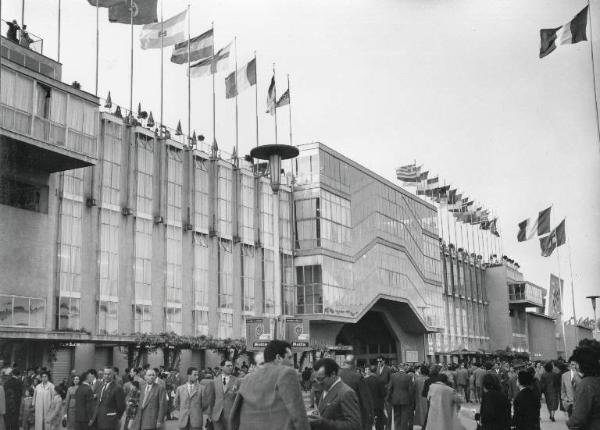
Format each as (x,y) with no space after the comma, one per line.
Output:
(554,305)
(258,333)
(297,332)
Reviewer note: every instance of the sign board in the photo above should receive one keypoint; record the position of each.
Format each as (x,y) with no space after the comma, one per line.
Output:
(297,332)
(258,333)
(412,356)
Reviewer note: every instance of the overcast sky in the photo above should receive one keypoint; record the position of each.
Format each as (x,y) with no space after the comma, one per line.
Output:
(455,84)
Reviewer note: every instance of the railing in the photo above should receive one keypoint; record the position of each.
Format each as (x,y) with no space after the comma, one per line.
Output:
(525,292)
(26,39)
(21,311)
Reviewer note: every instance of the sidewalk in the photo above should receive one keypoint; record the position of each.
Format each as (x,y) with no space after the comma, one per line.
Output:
(466,417)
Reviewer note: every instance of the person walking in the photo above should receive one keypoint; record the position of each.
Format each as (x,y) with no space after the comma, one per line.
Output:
(42,398)
(190,402)
(84,402)
(270,397)
(569,381)
(132,401)
(110,404)
(495,406)
(378,393)
(70,403)
(586,405)
(355,381)
(401,395)
(53,417)
(420,401)
(550,388)
(444,404)
(478,374)
(13,392)
(221,393)
(462,382)
(152,406)
(26,413)
(526,406)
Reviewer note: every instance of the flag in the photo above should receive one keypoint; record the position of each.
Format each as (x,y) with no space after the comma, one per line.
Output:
(164,33)
(284,100)
(572,32)
(209,66)
(554,304)
(271,105)
(541,226)
(200,47)
(144,12)
(561,235)
(246,77)
(108,103)
(409,173)
(494,227)
(105,3)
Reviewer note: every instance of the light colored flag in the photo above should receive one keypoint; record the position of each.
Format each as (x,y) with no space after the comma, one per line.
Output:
(200,47)
(554,304)
(246,77)
(171,31)
(212,65)
(271,103)
(529,229)
(572,32)
(284,100)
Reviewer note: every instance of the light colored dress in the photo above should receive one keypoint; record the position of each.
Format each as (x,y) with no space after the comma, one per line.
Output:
(70,406)
(444,404)
(42,398)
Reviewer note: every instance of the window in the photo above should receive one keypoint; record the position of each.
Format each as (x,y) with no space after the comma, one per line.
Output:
(111,164)
(224,199)
(23,195)
(18,311)
(285,221)
(144,172)
(42,106)
(174,186)
(107,317)
(68,313)
(200,195)
(225,275)
(108,270)
(309,293)
(142,319)
(266,214)
(268,283)
(200,323)
(288,284)
(248,270)
(173,321)
(200,271)
(246,210)
(225,325)
(143,261)
(174,264)
(308,234)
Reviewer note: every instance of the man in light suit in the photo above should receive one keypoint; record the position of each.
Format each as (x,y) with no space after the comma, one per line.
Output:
(270,398)
(221,392)
(338,408)
(110,404)
(569,381)
(401,395)
(190,402)
(152,404)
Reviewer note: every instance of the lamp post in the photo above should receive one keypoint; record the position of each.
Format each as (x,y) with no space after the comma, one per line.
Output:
(275,154)
(593,299)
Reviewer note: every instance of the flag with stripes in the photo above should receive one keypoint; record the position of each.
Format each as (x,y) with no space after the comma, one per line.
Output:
(556,238)
(409,173)
(200,47)
(246,77)
(572,32)
(271,102)
(284,100)
(166,33)
(212,65)
(539,227)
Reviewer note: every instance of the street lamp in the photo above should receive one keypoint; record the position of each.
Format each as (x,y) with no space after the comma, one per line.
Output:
(593,299)
(275,154)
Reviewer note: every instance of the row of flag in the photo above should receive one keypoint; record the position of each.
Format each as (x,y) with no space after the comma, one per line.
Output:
(540,227)
(462,208)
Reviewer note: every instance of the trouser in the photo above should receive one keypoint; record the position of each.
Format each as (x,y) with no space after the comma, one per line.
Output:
(465,390)
(379,419)
(12,421)
(403,417)
(477,394)
(388,411)
(80,425)
(189,427)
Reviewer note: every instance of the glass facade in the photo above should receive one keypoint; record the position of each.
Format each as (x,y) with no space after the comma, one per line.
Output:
(246,208)
(266,214)
(143,261)
(18,311)
(268,286)
(201,207)
(111,165)
(225,275)
(224,201)
(144,173)
(108,271)
(248,266)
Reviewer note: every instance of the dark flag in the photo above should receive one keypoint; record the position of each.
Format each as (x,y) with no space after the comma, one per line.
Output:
(144,12)
(556,238)
(572,32)
(105,3)
(284,99)
(200,47)
(271,105)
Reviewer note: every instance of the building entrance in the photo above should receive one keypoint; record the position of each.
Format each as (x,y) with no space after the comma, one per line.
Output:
(370,337)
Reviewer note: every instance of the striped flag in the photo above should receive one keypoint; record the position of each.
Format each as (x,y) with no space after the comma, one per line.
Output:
(572,32)
(271,103)
(556,238)
(284,100)
(165,33)
(212,65)
(200,47)
(529,229)
(409,173)
(246,77)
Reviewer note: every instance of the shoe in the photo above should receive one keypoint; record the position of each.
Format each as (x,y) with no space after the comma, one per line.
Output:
(552,419)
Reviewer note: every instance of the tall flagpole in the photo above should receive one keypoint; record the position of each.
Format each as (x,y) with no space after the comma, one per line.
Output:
(275,102)
(162,70)
(189,58)
(256,100)
(59,10)
(560,286)
(22,12)
(572,285)
(236,94)
(594,73)
(290,107)
(213,86)
(97,44)
(131,65)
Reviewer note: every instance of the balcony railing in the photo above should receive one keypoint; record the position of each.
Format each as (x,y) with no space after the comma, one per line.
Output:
(21,311)
(526,293)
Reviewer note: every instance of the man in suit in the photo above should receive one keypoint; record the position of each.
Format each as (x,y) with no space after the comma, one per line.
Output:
(270,397)
(13,390)
(152,405)
(401,395)
(110,404)
(384,373)
(478,374)
(221,392)
(190,402)
(84,403)
(462,381)
(355,381)
(526,405)
(568,382)
(339,407)
(378,392)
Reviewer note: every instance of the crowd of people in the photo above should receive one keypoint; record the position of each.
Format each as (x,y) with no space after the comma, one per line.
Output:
(268,394)
(17,34)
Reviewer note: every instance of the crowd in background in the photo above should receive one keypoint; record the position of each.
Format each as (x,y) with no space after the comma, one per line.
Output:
(268,394)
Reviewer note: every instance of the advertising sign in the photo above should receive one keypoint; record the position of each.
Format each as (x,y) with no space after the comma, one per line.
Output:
(258,333)
(297,332)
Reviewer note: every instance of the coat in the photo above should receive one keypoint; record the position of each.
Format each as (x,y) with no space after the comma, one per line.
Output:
(190,405)
(110,405)
(401,390)
(365,402)
(462,377)
(377,390)
(420,401)
(152,407)
(586,409)
(526,414)
(270,399)
(568,385)
(84,404)
(495,411)
(13,391)
(220,398)
(26,415)
(384,373)
(550,387)
(338,409)
(42,398)
(443,407)
(2,407)
(53,418)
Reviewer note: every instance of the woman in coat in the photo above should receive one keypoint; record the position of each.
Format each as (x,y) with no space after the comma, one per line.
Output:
(420,401)
(70,403)
(495,406)
(444,404)
(27,415)
(42,398)
(586,407)
(550,388)
(54,416)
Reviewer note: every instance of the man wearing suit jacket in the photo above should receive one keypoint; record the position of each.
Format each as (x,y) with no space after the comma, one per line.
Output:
(338,408)
(221,392)
(110,404)
(401,395)
(378,392)
(384,373)
(355,381)
(84,402)
(568,382)
(526,405)
(190,402)
(152,405)
(269,398)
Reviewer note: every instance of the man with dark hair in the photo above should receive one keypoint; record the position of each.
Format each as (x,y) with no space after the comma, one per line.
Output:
(401,395)
(569,381)
(355,381)
(462,381)
(84,402)
(13,390)
(527,404)
(152,404)
(190,402)
(11,34)
(110,403)
(270,397)
(378,392)
(339,408)
(221,393)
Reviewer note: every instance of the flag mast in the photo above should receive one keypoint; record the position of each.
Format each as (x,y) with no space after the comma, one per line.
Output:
(189,79)
(572,286)
(290,107)
(594,73)
(212,64)
(162,70)
(59,10)
(255,100)
(236,94)
(131,63)
(275,102)
(560,287)
(97,43)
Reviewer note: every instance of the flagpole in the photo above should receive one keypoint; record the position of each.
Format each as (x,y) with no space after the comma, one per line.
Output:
(213,86)
(162,71)
(572,285)
(560,287)
(189,133)
(22,12)
(275,102)
(236,94)
(594,73)
(255,100)
(290,107)
(131,65)
(59,10)
(97,44)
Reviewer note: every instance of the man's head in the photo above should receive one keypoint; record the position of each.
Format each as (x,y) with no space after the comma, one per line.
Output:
(226,367)
(573,365)
(259,359)
(279,352)
(349,362)
(326,373)
(116,371)
(100,374)
(92,374)
(380,361)
(192,374)
(525,378)
(371,370)
(109,376)
(150,376)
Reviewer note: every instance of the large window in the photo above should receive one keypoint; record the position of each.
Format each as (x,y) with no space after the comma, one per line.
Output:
(248,271)
(174,265)
(308,234)
(246,209)
(225,275)
(225,324)
(108,271)
(335,221)
(200,271)
(82,121)
(200,323)
(288,284)
(285,221)
(224,199)
(173,322)
(310,289)
(174,186)
(143,319)
(18,311)
(200,195)
(107,317)
(266,214)
(267,282)
(144,172)
(143,261)
(111,163)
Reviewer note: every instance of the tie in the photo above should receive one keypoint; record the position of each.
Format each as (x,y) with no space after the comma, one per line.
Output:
(148,388)
(224,380)
(102,392)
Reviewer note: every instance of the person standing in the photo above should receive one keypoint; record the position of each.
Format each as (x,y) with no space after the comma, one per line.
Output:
(27,414)
(462,382)
(152,406)
(270,397)
(378,392)
(401,395)
(550,388)
(586,406)
(495,406)
(84,402)
(42,398)
(132,402)
(53,418)
(110,403)
(11,34)
(355,381)
(478,374)
(420,401)
(527,405)
(569,381)
(13,391)
(71,402)
(25,40)
(2,407)
(221,393)
(444,404)
(190,402)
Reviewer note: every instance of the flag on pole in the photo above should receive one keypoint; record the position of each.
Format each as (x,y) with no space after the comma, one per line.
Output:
(170,32)
(246,77)
(554,304)
(541,226)
(409,173)
(105,3)
(284,100)
(494,227)
(271,103)
(572,32)
(212,65)
(556,238)
(200,47)
(144,12)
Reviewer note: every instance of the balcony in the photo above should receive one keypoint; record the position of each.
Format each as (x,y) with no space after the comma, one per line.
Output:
(30,57)
(525,294)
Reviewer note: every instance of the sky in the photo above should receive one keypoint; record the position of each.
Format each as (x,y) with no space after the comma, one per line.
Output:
(456,85)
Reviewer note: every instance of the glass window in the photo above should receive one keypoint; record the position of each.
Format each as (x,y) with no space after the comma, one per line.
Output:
(266,214)
(225,275)
(108,270)
(201,195)
(201,323)
(224,201)
(248,278)
(246,210)
(173,322)
(143,319)
(267,282)
(174,186)
(111,163)
(143,261)
(174,264)
(108,317)
(200,273)
(144,172)
(225,325)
